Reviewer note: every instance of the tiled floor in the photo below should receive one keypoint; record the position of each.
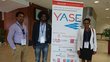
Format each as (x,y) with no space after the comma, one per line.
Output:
(101,56)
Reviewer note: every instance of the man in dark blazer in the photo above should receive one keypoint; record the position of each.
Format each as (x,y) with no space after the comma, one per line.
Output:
(41,36)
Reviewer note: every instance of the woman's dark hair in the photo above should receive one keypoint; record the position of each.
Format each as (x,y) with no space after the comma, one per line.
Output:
(19,13)
(88,19)
(43,12)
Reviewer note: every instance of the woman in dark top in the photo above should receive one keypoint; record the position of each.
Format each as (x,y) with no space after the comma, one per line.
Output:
(87,44)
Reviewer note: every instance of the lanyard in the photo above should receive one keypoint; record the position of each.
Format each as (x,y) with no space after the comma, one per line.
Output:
(22,29)
(42,28)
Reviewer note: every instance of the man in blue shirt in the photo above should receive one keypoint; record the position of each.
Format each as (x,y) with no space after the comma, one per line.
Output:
(17,38)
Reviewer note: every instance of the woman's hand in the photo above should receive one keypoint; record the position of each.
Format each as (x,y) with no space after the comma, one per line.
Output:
(94,52)
(78,52)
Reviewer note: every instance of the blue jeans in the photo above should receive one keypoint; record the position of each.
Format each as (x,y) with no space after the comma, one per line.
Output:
(41,48)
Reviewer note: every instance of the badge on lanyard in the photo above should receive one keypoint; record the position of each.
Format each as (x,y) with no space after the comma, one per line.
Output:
(23,41)
(86,44)
(42,39)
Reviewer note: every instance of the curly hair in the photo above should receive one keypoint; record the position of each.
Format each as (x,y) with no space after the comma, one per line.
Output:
(43,12)
(87,19)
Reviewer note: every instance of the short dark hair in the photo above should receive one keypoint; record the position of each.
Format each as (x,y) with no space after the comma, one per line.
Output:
(43,12)
(88,19)
(19,13)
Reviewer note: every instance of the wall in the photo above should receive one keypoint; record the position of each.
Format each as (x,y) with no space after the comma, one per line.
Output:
(1,21)
(88,12)
(100,26)
(0,16)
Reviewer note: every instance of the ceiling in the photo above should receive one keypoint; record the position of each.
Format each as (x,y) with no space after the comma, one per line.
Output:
(9,5)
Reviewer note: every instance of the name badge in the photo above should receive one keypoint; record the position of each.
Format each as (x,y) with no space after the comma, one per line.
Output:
(23,41)
(86,44)
(42,40)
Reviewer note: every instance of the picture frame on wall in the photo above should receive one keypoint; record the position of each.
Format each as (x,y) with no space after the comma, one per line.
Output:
(36,13)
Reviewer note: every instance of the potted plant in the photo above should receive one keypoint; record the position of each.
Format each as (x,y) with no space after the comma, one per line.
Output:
(2,35)
(106,33)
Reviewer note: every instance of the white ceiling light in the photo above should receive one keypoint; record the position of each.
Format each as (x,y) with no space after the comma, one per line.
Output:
(96,1)
(108,17)
(3,0)
(107,9)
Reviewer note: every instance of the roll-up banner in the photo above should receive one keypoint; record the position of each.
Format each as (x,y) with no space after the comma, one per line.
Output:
(66,20)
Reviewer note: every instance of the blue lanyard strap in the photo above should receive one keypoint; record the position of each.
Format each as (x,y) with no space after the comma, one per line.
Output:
(42,28)
(22,29)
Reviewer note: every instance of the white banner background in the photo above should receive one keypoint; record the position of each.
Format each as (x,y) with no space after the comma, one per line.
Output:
(66,20)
